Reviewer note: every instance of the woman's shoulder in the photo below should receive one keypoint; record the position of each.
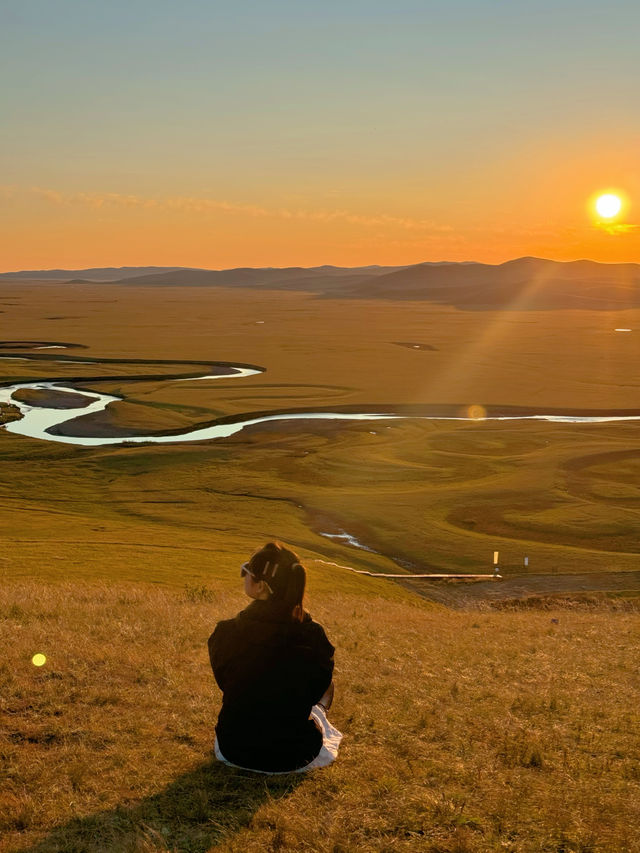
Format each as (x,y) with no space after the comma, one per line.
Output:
(224,626)
(259,623)
(316,634)
(256,620)
(224,630)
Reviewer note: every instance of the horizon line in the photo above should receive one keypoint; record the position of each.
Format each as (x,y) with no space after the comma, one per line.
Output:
(177,268)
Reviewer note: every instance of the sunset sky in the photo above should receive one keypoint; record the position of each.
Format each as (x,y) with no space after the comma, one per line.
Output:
(286,132)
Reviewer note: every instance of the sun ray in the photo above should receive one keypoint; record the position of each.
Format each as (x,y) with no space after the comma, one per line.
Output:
(474,357)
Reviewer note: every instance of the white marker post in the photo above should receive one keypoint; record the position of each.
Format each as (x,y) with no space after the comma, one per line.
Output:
(496,570)
(526,562)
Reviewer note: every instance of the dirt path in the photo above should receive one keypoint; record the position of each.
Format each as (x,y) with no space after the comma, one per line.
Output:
(525,586)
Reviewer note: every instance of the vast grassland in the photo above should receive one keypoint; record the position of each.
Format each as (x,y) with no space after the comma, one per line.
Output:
(465,730)
(447,494)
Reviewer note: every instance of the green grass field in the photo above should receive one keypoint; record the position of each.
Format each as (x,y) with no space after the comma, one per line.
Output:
(491,727)
(447,494)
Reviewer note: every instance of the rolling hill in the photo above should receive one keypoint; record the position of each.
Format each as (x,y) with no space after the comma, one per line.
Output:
(520,284)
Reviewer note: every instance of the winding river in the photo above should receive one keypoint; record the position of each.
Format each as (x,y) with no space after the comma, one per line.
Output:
(37,421)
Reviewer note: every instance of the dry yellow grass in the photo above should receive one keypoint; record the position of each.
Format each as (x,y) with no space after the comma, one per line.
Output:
(330,351)
(464,731)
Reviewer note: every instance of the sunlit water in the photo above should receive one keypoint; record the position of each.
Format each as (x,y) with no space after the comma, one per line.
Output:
(37,420)
(348,539)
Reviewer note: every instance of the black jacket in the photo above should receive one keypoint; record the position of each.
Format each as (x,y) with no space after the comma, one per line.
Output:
(271,670)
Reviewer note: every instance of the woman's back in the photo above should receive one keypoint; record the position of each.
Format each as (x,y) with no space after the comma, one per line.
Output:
(272,670)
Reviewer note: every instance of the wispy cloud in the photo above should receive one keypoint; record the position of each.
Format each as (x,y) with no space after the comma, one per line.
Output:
(619,228)
(200,206)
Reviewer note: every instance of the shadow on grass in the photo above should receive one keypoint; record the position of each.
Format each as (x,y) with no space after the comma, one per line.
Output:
(193,813)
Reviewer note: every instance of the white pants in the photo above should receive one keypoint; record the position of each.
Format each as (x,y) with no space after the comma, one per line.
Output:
(331,738)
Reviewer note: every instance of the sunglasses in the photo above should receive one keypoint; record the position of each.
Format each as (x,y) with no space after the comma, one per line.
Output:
(245,570)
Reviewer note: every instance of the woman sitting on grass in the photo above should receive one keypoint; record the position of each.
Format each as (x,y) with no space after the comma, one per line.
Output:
(274,665)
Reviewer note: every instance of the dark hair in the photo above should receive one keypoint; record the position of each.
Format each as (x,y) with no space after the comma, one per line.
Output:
(281,570)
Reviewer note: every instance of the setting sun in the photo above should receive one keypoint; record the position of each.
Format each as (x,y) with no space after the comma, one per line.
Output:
(608,205)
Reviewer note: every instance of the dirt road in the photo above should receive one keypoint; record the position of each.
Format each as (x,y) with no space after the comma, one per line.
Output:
(527,587)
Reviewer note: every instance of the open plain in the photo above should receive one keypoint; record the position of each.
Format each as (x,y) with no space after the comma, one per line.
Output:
(447,492)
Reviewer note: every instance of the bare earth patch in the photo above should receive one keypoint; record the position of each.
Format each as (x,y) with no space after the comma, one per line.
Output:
(614,589)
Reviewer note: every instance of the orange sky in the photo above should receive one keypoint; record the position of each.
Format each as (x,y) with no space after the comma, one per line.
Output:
(75,230)
(346,135)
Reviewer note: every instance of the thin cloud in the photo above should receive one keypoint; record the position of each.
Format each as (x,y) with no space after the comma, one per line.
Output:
(620,228)
(188,204)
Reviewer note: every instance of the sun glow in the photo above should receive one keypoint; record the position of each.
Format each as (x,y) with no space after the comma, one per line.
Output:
(608,205)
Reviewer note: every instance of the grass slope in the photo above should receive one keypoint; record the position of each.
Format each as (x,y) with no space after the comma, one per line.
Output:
(463,732)
(446,496)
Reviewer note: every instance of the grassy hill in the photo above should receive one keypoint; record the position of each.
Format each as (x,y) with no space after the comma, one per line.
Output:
(463,731)
(521,284)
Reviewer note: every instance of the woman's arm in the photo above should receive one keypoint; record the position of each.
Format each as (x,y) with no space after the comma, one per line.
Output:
(324,664)
(219,645)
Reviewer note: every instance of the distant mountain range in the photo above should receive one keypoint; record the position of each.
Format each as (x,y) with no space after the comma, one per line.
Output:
(93,274)
(524,283)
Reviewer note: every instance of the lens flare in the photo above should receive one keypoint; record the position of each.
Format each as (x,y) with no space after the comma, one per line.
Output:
(476,412)
(38,660)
